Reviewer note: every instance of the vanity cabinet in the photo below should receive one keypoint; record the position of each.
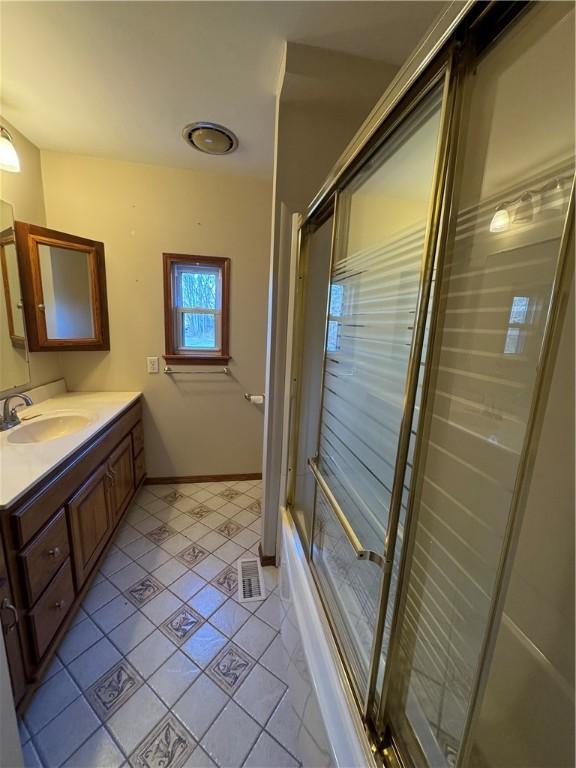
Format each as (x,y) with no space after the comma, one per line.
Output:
(90,522)
(10,631)
(121,478)
(42,558)
(56,536)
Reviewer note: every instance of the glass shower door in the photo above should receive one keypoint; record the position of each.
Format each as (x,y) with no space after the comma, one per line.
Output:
(500,271)
(375,282)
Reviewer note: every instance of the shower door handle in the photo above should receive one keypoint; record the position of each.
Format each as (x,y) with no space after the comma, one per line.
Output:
(361,552)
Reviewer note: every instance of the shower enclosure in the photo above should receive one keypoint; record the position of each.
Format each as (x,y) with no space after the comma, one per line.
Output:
(433,274)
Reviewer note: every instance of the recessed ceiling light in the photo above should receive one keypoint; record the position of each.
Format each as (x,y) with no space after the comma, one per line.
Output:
(210,138)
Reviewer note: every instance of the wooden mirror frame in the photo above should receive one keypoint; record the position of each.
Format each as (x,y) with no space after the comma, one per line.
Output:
(28,238)
(7,237)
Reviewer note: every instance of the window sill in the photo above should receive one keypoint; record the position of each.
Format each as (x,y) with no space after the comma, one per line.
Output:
(197,359)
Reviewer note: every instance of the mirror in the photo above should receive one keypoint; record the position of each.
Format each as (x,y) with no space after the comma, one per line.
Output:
(68,303)
(14,370)
(64,288)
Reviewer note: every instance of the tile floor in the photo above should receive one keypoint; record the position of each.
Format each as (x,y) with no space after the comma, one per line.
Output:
(163,667)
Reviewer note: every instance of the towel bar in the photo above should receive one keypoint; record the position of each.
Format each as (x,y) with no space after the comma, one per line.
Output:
(223,371)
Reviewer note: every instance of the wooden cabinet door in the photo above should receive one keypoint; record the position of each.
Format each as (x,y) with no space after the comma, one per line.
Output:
(10,630)
(90,522)
(121,469)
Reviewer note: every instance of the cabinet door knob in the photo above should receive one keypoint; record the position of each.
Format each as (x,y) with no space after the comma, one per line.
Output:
(59,605)
(54,552)
(42,307)
(7,606)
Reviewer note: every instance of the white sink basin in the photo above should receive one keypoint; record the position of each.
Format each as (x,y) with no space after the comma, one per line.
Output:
(49,427)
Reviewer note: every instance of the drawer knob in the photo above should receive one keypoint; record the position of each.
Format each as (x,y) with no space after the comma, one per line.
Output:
(54,552)
(59,605)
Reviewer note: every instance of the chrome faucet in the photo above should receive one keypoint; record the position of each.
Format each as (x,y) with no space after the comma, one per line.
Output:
(10,415)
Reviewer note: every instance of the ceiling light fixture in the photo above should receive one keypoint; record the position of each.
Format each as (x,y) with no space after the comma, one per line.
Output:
(9,160)
(526,207)
(211,138)
(501,219)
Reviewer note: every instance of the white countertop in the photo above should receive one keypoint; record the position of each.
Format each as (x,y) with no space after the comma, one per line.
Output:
(23,465)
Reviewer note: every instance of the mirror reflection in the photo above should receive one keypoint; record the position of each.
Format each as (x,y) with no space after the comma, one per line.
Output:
(14,371)
(66,289)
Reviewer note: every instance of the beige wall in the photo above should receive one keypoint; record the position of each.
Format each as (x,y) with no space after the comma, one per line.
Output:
(25,193)
(194,425)
(323,97)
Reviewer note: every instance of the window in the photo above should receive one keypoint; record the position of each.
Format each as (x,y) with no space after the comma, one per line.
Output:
(196,301)
(519,321)
(334,315)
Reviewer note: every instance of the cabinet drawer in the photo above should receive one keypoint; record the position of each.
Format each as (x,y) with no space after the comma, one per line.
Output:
(139,467)
(137,438)
(50,611)
(44,556)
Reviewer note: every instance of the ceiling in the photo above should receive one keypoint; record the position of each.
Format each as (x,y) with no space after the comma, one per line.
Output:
(122,79)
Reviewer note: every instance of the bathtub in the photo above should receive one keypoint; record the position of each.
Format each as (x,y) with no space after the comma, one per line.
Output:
(326,726)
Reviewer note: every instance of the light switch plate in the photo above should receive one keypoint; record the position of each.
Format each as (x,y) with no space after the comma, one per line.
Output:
(152,365)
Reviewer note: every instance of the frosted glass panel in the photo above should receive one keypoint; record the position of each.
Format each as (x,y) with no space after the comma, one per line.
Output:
(496,289)
(373,295)
(311,299)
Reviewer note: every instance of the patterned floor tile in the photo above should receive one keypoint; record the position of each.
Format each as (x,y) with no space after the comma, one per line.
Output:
(161,533)
(229,529)
(113,689)
(143,591)
(227,580)
(255,507)
(192,555)
(168,746)
(229,494)
(198,512)
(172,496)
(161,679)
(181,624)
(230,668)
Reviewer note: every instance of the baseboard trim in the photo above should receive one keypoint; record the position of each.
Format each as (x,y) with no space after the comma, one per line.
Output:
(201,479)
(265,559)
